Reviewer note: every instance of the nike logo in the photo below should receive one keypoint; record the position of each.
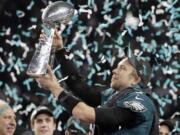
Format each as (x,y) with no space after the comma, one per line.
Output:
(136,97)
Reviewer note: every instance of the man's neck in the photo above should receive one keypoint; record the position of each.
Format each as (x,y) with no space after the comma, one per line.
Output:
(124,87)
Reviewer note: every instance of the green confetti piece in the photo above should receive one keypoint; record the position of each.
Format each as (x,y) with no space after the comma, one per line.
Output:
(31,4)
(27,83)
(40,94)
(20,13)
(33,19)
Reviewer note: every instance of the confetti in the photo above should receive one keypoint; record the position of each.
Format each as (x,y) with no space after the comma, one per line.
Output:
(97,35)
(20,13)
(29,7)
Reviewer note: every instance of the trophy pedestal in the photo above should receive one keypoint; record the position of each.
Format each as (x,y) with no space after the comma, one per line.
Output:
(40,59)
(54,15)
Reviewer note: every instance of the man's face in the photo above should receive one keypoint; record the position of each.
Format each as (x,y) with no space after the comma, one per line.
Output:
(164,130)
(43,124)
(7,121)
(122,75)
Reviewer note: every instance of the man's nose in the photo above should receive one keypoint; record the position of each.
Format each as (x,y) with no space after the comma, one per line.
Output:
(13,122)
(114,71)
(44,123)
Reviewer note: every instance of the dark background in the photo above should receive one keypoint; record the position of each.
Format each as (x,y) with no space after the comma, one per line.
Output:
(99,46)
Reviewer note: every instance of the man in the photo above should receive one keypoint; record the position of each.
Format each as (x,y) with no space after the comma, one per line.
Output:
(42,121)
(165,127)
(128,110)
(7,119)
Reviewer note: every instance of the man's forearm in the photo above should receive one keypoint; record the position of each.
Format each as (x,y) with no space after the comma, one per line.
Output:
(76,82)
(73,105)
(84,112)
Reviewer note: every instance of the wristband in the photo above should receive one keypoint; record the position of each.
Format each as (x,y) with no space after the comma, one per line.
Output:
(68,100)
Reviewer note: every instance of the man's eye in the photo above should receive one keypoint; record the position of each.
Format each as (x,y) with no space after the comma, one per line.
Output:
(122,67)
(39,121)
(7,117)
(48,120)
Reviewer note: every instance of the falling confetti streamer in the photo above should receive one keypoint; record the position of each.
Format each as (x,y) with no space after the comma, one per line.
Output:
(20,13)
(29,7)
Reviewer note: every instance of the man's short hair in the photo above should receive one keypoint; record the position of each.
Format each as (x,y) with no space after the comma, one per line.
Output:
(167,123)
(41,110)
(141,65)
(3,106)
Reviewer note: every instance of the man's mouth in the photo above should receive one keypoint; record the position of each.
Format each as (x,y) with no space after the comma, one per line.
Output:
(43,130)
(10,129)
(113,77)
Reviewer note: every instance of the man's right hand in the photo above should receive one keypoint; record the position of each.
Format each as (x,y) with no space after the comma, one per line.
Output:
(57,41)
(49,82)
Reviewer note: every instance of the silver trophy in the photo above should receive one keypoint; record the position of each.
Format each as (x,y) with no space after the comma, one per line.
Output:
(54,15)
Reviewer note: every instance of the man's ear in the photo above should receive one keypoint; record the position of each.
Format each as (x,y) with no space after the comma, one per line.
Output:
(54,126)
(32,125)
(136,78)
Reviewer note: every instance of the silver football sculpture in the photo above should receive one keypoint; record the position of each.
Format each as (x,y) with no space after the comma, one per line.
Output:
(53,16)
